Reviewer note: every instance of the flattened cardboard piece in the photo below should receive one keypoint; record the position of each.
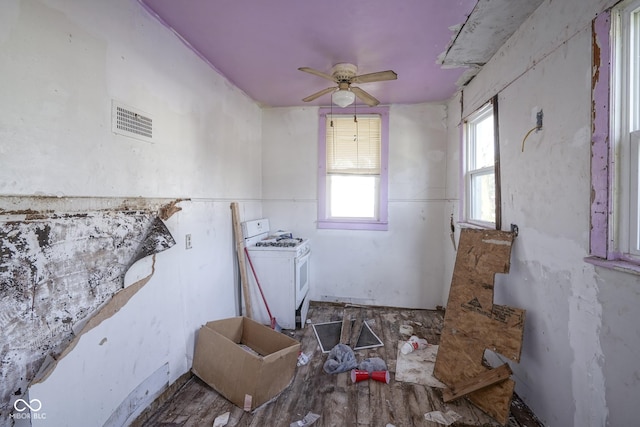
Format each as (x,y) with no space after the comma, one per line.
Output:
(473,323)
(417,366)
(237,374)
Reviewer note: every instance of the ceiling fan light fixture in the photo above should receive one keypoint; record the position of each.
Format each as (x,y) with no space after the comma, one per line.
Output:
(343,97)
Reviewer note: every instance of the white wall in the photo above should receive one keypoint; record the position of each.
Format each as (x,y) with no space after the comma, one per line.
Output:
(580,357)
(399,267)
(61,64)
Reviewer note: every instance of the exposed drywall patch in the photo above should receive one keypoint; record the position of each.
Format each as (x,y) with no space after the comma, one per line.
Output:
(117,301)
(585,322)
(56,270)
(572,306)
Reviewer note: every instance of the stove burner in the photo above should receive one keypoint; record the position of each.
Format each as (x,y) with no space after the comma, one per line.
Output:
(284,242)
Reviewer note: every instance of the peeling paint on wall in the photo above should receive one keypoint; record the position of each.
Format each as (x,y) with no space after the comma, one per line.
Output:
(601,55)
(56,271)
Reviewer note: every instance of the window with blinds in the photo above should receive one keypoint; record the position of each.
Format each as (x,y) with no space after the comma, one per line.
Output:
(353,144)
(353,152)
(353,166)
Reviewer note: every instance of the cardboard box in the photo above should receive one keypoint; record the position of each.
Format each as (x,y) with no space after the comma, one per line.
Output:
(245,378)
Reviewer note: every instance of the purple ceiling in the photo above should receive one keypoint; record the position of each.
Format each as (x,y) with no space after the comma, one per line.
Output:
(259,45)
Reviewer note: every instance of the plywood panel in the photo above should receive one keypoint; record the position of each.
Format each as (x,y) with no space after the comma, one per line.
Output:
(473,323)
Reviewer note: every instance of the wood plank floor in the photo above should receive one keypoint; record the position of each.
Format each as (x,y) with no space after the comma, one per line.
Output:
(335,398)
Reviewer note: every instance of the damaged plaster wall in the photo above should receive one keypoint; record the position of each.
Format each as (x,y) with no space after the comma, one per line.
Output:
(63,63)
(402,267)
(580,352)
(56,270)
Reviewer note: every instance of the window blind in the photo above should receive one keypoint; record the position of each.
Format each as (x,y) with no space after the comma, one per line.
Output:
(353,147)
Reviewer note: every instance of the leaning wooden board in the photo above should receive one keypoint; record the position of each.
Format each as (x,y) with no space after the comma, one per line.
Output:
(239,240)
(473,323)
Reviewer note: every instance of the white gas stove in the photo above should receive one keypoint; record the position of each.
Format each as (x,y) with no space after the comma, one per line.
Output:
(281,261)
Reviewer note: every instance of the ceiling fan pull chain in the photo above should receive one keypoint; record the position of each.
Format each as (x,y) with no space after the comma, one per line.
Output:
(355,120)
(331,113)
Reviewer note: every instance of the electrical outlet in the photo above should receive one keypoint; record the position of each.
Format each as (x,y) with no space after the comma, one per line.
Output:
(187,241)
(539,117)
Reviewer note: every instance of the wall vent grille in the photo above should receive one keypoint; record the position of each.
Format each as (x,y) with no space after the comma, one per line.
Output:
(130,122)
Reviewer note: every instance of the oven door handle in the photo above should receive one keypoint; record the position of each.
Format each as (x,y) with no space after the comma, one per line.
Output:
(304,254)
(302,258)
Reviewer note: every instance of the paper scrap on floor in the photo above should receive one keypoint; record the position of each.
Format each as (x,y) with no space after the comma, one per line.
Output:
(221,420)
(447,418)
(417,366)
(308,419)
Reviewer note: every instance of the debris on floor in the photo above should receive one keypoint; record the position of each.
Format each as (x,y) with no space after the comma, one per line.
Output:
(338,401)
(446,418)
(308,419)
(414,343)
(372,364)
(341,359)
(406,330)
(417,367)
(358,375)
(303,358)
(221,420)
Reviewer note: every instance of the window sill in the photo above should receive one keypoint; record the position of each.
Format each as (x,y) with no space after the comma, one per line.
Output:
(477,225)
(616,264)
(353,225)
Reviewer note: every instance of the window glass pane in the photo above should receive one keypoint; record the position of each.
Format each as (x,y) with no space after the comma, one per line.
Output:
(634,197)
(634,62)
(483,194)
(482,152)
(352,196)
(634,214)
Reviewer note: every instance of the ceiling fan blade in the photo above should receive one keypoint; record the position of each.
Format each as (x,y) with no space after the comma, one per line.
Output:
(375,77)
(365,97)
(319,94)
(317,73)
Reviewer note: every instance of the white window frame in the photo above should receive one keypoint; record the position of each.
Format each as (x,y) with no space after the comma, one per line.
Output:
(470,171)
(380,221)
(625,131)
(615,140)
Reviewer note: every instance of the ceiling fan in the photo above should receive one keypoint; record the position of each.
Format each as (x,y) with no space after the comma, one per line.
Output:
(345,74)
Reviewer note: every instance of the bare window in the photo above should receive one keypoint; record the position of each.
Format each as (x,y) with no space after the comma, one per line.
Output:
(480,167)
